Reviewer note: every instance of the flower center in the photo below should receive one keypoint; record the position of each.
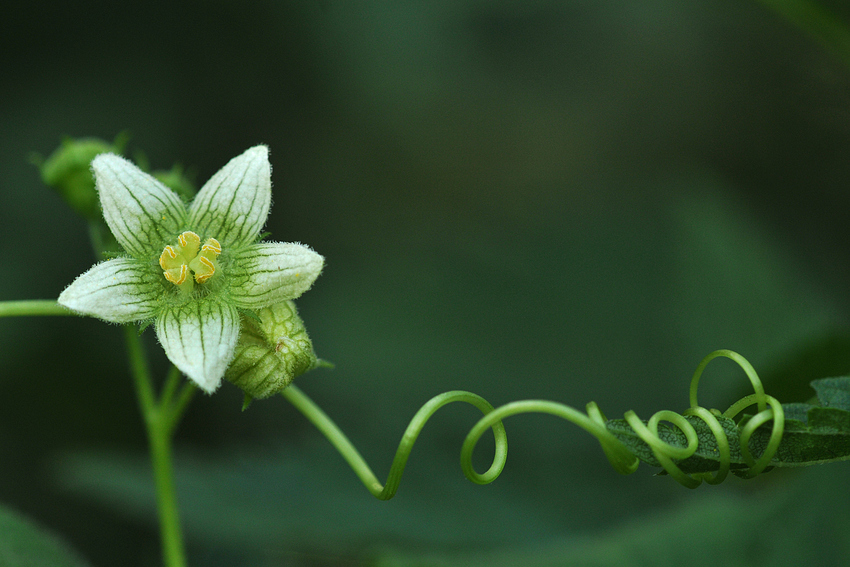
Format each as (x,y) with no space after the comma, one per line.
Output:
(189,256)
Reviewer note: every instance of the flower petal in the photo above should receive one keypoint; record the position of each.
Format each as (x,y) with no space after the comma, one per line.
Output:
(121,290)
(233,205)
(142,213)
(199,338)
(272,272)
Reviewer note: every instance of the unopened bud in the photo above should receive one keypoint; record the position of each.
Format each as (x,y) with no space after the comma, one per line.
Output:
(68,171)
(178,181)
(271,351)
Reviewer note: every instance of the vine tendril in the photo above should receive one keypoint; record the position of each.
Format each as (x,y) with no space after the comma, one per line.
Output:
(621,457)
(384,492)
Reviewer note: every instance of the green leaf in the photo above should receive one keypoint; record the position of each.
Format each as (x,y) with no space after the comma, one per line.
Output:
(706,457)
(833,392)
(24,544)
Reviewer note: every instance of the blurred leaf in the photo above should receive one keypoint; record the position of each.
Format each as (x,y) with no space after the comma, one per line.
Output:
(269,499)
(788,375)
(23,544)
(833,392)
(738,287)
(804,522)
(818,22)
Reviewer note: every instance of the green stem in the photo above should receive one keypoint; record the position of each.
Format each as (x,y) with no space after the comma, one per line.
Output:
(160,420)
(159,435)
(179,406)
(160,417)
(141,373)
(172,380)
(32,307)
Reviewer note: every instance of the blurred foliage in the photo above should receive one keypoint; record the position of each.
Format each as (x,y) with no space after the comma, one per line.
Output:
(748,532)
(819,20)
(236,524)
(23,544)
(563,200)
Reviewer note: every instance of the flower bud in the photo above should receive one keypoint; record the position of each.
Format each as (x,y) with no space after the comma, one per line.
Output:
(271,351)
(68,171)
(178,181)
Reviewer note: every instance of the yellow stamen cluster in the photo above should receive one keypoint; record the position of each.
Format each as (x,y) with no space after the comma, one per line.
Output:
(189,255)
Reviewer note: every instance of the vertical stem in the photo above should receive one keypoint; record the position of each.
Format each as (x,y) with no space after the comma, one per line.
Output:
(160,419)
(141,373)
(169,517)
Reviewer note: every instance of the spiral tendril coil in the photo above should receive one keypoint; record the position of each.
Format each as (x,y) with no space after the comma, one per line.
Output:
(593,421)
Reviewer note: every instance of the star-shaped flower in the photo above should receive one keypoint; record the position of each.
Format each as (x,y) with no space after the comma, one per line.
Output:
(189,269)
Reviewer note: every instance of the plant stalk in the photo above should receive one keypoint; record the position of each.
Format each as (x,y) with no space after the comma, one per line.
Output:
(160,417)
(32,307)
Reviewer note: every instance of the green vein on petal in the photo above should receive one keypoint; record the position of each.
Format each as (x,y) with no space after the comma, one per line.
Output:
(199,338)
(234,204)
(141,212)
(272,272)
(121,290)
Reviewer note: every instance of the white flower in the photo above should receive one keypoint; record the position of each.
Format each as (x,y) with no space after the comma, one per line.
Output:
(189,268)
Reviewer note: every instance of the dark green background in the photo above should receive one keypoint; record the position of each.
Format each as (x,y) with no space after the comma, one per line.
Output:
(566,200)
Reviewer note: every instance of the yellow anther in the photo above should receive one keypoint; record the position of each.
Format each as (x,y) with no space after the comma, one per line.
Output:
(187,256)
(204,270)
(189,242)
(167,254)
(212,245)
(177,275)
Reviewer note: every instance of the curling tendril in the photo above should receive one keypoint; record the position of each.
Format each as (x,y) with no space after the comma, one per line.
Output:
(594,422)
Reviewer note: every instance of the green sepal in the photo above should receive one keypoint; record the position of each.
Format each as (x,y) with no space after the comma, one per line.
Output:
(250,314)
(246,401)
(143,325)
